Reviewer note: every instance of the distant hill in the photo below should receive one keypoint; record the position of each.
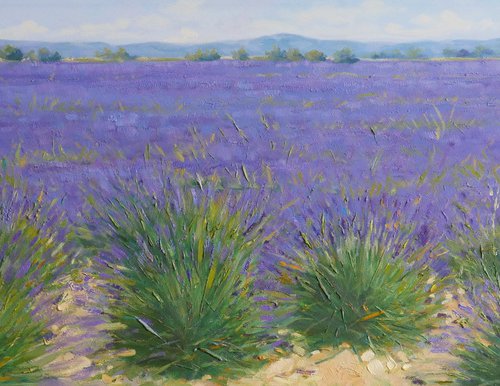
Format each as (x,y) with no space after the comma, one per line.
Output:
(257,46)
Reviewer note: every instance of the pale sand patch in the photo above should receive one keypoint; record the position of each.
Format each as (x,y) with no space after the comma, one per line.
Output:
(328,367)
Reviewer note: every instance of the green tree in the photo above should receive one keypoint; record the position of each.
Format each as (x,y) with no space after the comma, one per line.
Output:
(463,53)
(31,55)
(105,54)
(11,53)
(120,55)
(315,56)
(276,54)
(241,54)
(43,53)
(294,55)
(204,56)
(415,53)
(46,56)
(483,52)
(56,57)
(345,55)
(394,54)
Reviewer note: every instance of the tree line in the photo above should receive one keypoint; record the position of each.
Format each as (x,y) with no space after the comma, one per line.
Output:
(14,54)
(276,54)
(478,52)
(417,53)
(345,55)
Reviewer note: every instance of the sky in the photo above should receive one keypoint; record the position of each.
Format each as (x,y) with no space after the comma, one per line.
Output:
(197,21)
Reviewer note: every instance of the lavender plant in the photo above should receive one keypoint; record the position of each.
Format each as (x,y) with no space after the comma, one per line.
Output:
(480,360)
(183,263)
(362,282)
(475,258)
(32,255)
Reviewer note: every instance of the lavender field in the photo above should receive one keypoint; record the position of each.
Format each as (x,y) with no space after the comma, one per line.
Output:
(316,125)
(313,145)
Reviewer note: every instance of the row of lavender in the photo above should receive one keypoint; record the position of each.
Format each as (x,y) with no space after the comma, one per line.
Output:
(316,178)
(182,262)
(361,123)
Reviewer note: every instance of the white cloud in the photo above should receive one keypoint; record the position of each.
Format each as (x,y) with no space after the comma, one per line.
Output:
(152,22)
(184,9)
(99,31)
(451,21)
(331,15)
(487,25)
(26,30)
(185,21)
(266,27)
(445,25)
(422,19)
(331,21)
(186,35)
(143,28)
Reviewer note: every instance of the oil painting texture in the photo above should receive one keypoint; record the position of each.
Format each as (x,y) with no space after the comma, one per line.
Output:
(222,192)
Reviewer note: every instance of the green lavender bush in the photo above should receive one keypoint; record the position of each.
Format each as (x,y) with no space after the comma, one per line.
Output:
(480,360)
(355,284)
(31,256)
(476,262)
(182,265)
(475,256)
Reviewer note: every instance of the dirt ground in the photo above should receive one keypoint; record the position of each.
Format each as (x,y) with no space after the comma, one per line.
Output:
(432,364)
